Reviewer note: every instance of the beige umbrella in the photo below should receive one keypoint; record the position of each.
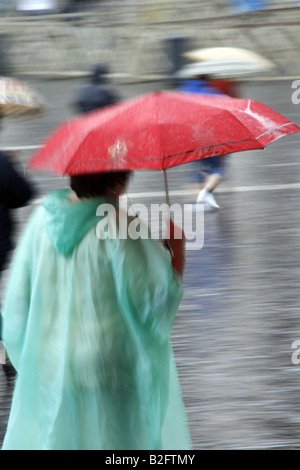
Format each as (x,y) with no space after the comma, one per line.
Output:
(222,68)
(19,100)
(229,53)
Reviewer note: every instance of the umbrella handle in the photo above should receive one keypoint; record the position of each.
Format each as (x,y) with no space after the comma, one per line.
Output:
(167,244)
(167,187)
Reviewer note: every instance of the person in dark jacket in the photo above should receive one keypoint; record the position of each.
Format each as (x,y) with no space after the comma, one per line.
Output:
(97,93)
(15,192)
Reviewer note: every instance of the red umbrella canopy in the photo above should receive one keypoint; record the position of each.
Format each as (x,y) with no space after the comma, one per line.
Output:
(160,130)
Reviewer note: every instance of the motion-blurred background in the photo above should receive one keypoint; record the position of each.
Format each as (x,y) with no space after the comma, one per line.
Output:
(240,313)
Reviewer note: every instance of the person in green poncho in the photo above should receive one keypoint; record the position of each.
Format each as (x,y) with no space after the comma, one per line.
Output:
(87,324)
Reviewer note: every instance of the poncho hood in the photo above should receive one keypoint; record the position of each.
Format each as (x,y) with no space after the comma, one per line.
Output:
(67,221)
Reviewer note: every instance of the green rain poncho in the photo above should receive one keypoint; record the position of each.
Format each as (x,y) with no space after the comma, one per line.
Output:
(87,324)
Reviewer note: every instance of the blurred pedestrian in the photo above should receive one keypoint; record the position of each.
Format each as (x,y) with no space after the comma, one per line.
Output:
(207,172)
(73,6)
(87,324)
(15,192)
(97,93)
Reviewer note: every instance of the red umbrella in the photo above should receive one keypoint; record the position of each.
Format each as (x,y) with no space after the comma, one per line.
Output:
(160,130)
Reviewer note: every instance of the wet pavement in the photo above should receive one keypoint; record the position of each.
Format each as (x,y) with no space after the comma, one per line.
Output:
(240,313)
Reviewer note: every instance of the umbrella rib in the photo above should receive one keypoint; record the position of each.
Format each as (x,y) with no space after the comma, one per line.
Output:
(228,143)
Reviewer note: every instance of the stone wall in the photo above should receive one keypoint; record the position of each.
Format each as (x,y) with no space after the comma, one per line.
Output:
(132,37)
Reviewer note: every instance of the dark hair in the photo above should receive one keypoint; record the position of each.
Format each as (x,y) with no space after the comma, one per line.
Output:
(97,184)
